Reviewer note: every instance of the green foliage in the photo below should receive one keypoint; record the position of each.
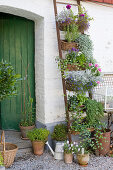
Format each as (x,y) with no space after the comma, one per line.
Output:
(71,33)
(28,116)
(85,45)
(76,101)
(38,134)
(59,133)
(8,80)
(73,57)
(69,147)
(1,160)
(94,111)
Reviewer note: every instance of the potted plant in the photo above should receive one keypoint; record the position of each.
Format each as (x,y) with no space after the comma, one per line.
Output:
(67,22)
(28,118)
(8,80)
(83,19)
(83,157)
(68,152)
(59,134)
(74,61)
(2,167)
(102,139)
(38,138)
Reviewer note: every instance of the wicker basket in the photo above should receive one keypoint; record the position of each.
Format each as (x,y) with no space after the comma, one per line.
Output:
(70,86)
(8,151)
(63,26)
(68,45)
(73,67)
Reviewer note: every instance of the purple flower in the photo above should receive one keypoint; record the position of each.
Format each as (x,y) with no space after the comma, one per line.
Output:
(68,6)
(81,15)
(73,49)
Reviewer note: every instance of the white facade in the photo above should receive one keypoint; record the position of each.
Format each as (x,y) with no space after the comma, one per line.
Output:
(49,92)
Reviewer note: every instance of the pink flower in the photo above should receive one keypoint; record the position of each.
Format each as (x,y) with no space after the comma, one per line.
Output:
(90,64)
(98,82)
(96,65)
(99,69)
(68,6)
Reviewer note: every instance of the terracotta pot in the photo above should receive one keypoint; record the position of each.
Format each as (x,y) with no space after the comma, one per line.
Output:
(38,147)
(68,158)
(25,129)
(83,159)
(105,143)
(68,45)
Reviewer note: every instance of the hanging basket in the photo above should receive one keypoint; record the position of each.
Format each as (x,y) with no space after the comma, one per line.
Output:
(73,67)
(70,86)
(68,45)
(63,26)
(8,151)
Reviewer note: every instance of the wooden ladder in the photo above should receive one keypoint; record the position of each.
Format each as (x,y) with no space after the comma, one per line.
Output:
(60,55)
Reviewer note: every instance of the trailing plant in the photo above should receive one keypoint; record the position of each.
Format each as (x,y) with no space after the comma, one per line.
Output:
(60,132)
(74,58)
(83,19)
(76,101)
(94,111)
(82,81)
(85,45)
(66,16)
(40,134)
(28,116)
(8,80)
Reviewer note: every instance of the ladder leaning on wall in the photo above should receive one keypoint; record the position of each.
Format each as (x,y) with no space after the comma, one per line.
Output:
(60,55)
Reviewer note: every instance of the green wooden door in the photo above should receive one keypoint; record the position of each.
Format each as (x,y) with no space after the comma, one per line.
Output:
(17,47)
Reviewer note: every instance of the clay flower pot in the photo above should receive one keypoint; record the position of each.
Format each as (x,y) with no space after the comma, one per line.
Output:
(105,141)
(68,158)
(83,159)
(38,147)
(25,129)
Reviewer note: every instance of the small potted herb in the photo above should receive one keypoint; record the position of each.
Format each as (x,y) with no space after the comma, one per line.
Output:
(59,134)
(38,138)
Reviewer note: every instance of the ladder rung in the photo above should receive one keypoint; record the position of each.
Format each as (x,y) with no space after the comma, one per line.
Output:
(66,3)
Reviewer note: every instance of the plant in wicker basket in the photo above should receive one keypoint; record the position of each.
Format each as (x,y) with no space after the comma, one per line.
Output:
(66,18)
(83,20)
(74,61)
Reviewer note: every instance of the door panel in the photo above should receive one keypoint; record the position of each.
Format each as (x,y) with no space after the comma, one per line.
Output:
(17,47)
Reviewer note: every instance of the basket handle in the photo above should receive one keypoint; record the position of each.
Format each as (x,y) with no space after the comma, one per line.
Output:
(3,137)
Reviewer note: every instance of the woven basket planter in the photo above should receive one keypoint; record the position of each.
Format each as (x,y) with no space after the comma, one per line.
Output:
(8,151)
(73,67)
(63,26)
(68,45)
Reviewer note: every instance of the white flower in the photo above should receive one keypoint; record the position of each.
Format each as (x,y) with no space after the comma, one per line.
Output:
(67,142)
(71,145)
(78,149)
(76,145)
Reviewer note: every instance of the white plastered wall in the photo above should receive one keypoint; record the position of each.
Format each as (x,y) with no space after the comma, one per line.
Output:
(49,93)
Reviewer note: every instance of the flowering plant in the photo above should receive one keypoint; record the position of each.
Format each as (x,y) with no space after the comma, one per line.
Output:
(83,20)
(82,81)
(69,148)
(73,58)
(66,16)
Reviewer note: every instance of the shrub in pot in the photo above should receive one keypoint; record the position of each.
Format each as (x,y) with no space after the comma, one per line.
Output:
(59,134)
(38,138)
(28,118)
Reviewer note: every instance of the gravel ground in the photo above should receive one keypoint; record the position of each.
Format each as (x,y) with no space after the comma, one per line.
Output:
(29,161)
